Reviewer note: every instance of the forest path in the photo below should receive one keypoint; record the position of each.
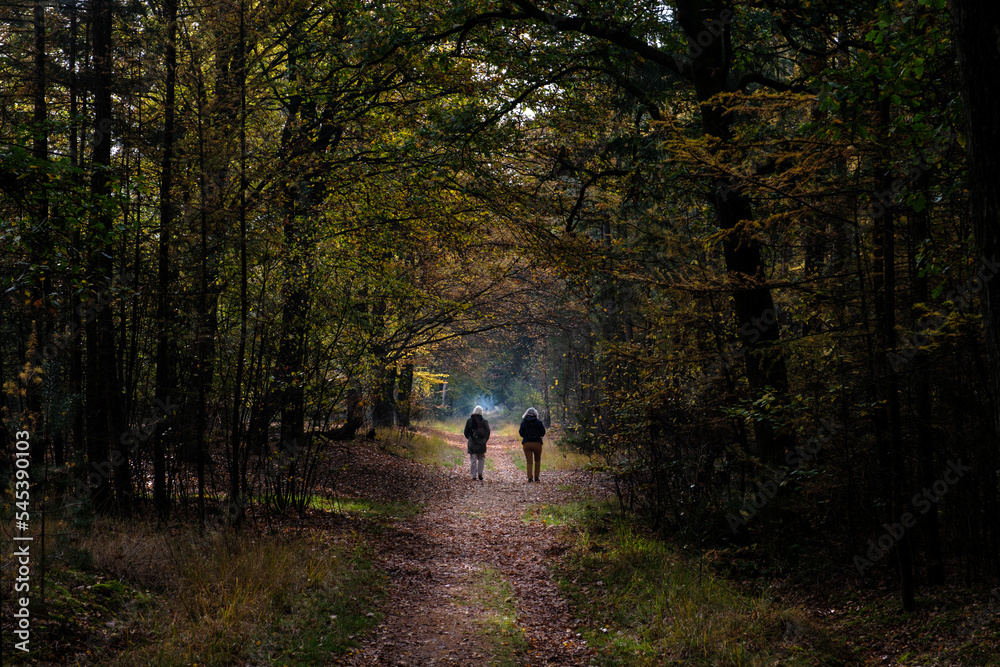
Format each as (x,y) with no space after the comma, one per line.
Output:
(472,535)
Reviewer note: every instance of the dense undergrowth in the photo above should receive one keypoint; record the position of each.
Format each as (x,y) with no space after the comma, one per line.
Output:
(647,604)
(650,602)
(180,597)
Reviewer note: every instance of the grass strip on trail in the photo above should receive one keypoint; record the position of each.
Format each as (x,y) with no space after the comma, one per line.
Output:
(504,638)
(647,606)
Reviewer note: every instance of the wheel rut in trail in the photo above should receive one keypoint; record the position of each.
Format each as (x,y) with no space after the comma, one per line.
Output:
(439,558)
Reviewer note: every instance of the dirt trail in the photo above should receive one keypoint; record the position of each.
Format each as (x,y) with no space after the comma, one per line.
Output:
(437,558)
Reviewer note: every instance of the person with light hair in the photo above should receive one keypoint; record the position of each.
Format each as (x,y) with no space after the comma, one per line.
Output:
(477,432)
(532,430)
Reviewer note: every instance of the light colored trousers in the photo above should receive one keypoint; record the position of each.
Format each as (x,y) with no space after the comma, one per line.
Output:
(477,461)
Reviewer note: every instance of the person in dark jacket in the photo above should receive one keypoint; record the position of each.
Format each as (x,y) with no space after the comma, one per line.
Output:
(532,430)
(477,432)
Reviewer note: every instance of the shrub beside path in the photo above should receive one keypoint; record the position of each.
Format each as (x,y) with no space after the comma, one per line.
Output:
(448,563)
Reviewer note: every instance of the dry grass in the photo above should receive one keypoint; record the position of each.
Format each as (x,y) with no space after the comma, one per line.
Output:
(555,457)
(131,551)
(226,595)
(505,429)
(227,589)
(428,449)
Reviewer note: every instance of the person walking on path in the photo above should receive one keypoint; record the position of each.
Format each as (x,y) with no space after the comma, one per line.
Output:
(532,430)
(477,432)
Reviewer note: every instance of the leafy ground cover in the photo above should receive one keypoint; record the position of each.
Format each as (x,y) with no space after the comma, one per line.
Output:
(953,626)
(651,606)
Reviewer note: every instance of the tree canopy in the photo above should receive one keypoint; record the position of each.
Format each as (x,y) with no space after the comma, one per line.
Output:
(742,251)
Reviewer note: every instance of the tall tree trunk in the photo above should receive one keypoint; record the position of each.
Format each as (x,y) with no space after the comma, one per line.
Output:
(203,318)
(921,229)
(107,457)
(291,351)
(165,374)
(40,151)
(384,406)
(546,406)
(753,303)
(76,348)
(40,113)
(238,462)
(404,399)
(216,121)
(884,288)
(298,195)
(977,25)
